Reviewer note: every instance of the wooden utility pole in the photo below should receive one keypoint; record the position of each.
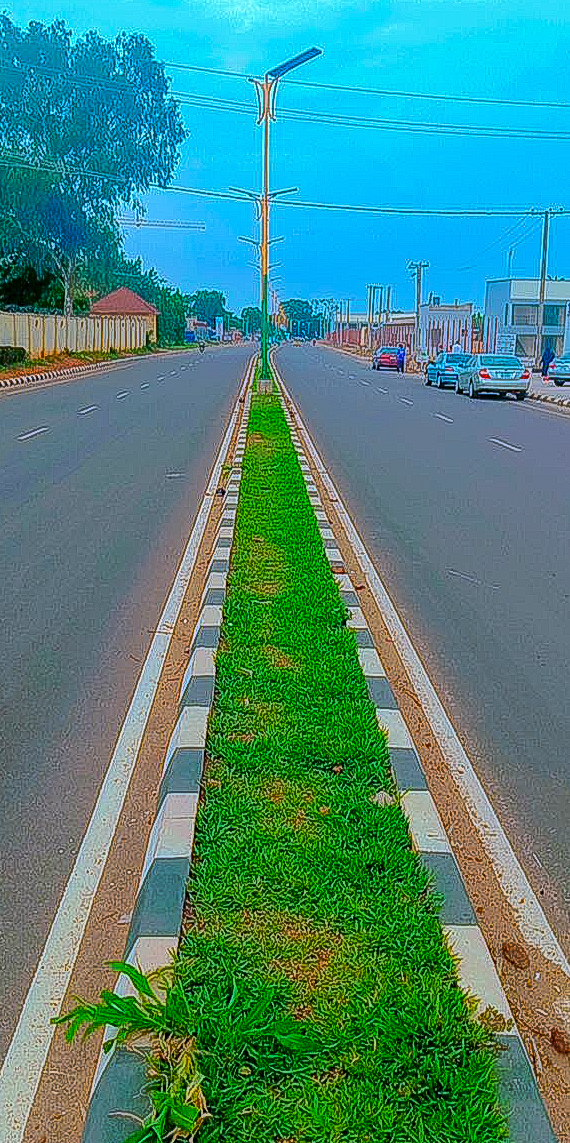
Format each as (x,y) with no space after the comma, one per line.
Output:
(417,268)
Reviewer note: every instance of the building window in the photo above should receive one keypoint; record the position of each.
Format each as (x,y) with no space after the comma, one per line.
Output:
(525,345)
(553,315)
(525,315)
(507,314)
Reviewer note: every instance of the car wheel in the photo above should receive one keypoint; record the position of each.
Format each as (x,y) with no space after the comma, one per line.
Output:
(472,391)
(458,388)
(521,396)
(428,379)
(559,383)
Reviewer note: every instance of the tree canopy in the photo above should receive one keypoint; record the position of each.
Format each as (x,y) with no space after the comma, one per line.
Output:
(207,305)
(86,126)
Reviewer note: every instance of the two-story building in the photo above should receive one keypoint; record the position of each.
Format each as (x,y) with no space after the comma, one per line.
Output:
(512,305)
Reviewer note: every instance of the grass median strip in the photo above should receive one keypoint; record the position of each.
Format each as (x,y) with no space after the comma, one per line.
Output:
(312,982)
(324,1001)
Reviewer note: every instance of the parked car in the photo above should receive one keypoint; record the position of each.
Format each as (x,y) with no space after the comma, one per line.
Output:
(448,369)
(559,369)
(385,358)
(495,373)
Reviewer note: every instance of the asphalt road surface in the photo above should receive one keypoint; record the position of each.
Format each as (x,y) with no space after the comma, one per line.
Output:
(101,479)
(464,507)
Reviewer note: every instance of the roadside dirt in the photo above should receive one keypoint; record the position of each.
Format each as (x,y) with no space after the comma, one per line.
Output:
(537,991)
(60,1107)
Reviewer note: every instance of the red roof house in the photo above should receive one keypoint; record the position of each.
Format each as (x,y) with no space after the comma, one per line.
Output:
(125,303)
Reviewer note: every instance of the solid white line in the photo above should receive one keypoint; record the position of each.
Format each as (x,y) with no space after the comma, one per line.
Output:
(442,417)
(124,393)
(505,444)
(531,919)
(33,433)
(87,409)
(31,1041)
(405,400)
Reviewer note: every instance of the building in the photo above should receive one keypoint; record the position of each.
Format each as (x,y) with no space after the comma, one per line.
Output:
(443,326)
(512,304)
(125,303)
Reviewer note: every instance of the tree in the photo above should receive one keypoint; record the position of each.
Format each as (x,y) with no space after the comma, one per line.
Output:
(302,319)
(85,128)
(207,305)
(251,320)
(172,305)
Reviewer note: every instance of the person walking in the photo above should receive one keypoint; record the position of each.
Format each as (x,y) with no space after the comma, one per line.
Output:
(400,358)
(548,355)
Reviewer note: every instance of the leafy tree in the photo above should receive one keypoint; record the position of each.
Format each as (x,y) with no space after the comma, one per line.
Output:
(302,318)
(172,305)
(85,128)
(207,305)
(251,319)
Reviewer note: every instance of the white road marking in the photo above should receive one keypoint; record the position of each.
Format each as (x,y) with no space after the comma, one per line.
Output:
(123,394)
(379,389)
(31,1041)
(174,475)
(145,385)
(33,433)
(363,382)
(442,417)
(87,409)
(533,924)
(505,444)
(173,372)
(160,378)
(405,400)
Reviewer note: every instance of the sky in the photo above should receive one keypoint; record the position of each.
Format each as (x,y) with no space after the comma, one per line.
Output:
(491,49)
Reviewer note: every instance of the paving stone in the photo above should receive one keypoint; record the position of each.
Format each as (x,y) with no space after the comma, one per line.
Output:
(426,826)
(407,770)
(457,908)
(159,904)
(528,1121)
(183,773)
(380,693)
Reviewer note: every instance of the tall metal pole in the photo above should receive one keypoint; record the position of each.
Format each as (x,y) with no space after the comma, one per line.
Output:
(542,291)
(369,319)
(417,268)
(267,85)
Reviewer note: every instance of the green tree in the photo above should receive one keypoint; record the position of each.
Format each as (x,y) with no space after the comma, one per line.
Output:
(207,305)
(251,320)
(302,318)
(85,128)
(171,303)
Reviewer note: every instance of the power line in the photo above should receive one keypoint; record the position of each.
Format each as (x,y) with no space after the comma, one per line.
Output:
(386,92)
(10,159)
(215,103)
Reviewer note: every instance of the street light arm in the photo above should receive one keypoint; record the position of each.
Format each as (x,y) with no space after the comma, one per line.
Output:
(296,61)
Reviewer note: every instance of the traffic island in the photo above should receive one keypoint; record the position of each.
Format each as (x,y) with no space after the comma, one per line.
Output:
(314,994)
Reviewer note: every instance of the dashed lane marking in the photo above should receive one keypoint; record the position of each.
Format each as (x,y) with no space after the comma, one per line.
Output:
(145,385)
(379,389)
(33,433)
(87,409)
(405,400)
(505,444)
(442,417)
(123,394)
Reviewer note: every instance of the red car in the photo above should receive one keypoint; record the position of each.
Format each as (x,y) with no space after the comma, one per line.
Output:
(385,358)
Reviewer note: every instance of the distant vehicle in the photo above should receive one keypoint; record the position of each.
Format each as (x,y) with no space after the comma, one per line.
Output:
(559,369)
(385,358)
(495,373)
(448,369)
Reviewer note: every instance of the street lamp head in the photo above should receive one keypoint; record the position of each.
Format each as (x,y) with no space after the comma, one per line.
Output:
(296,61)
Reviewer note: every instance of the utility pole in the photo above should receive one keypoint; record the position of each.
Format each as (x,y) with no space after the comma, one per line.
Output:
(542,290)
(369,318)
(388,299)
(381,289)
(417,268)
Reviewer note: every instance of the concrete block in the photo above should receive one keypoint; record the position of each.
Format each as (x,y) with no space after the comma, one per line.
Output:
(393,723)
(456,908)
(370,662)
(407,769)
(475,969)
(182,775)
(426,826)
(159,904)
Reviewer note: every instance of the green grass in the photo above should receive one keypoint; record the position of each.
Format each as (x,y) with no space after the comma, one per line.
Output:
(313,999)
(323,1001)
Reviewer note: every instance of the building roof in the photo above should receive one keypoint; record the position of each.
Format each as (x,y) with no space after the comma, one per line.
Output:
(123,301)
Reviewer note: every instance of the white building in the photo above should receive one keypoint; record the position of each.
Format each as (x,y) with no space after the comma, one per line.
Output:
(512,304)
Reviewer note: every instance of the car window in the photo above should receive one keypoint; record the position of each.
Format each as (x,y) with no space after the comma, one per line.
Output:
(498,359)
(439,358)
(458,358)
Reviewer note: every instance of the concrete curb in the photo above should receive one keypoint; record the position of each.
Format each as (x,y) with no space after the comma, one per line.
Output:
(72,371)
(117,1092)
(475,967)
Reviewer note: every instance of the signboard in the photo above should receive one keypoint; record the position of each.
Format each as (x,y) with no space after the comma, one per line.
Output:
(219,328)
(506,342)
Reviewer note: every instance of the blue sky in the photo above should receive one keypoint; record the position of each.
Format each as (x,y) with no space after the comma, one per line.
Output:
(505,49)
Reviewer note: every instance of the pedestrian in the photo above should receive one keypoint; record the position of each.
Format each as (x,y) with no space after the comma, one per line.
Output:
(548,355)
(400,358)
(457,348)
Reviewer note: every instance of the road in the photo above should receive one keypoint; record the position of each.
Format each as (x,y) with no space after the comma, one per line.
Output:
(101,478)
(464,507)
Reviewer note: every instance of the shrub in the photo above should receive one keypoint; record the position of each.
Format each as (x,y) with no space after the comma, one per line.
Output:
(12,354)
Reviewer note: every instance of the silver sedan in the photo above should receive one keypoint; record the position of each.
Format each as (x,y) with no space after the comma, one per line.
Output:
(448,369)
(495,373)
(559,369)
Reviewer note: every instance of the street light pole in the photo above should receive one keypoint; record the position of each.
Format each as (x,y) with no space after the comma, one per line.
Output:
(266,94)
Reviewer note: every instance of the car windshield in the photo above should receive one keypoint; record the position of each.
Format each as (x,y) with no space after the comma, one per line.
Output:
(387,349)
(458,358)
(496,359)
